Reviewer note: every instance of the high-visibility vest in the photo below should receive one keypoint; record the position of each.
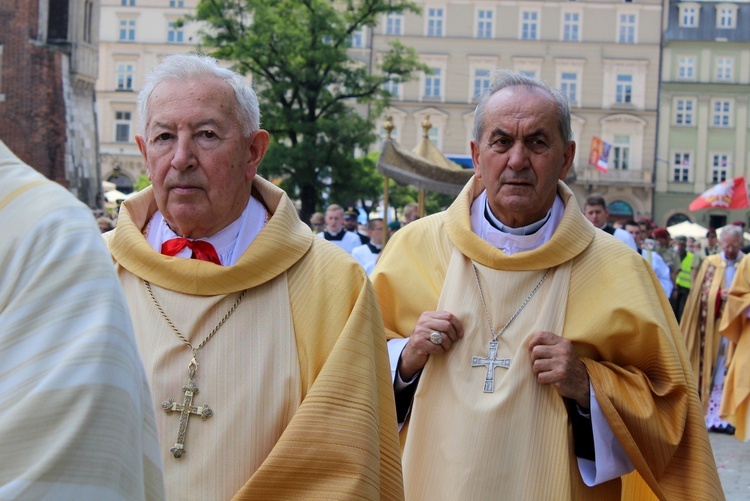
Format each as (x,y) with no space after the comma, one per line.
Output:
(683,277)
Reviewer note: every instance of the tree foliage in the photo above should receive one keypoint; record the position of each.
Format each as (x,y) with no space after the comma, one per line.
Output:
(318,96)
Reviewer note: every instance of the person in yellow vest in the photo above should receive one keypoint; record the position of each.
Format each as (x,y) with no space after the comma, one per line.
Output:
(533,355)
(684,276)
(231,294)
(700,325)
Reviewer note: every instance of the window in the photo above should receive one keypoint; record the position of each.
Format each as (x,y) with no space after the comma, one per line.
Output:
(722,110)
(686,68)
(724,69)
(624,89)
(434,136)
(684,109)
(394,24)
(124,76)
(621,152)
(528,73)
(432,83)
(626,32)
(175,34)
(435,22)
(569,86)
(88,20)
(127,30)
(481,82)
(391,87)
(529,25)
(719,167)
(358,39)
(128,3)
(681,167)
(725,17)
(484,24)
(688,17)
(122,126)
(571,26)
(176,3)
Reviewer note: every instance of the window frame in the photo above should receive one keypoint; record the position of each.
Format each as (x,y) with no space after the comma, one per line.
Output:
(720,173)
(393,20)
(482,24)
(535,23)
(682,172)
(626,33)
(688,115)
(724,116)
(566,23)
(123,122)
(435,24)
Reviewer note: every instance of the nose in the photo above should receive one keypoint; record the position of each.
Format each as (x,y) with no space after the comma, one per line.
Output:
(184,155)
(518,157)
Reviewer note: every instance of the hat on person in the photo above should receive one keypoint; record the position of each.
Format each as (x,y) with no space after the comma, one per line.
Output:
(351,213)
(711,233)
(661,233)
(681,239)
(394,225)
(741,224)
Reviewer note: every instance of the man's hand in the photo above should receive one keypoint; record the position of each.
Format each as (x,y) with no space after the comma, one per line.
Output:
(419,348)
(555,362)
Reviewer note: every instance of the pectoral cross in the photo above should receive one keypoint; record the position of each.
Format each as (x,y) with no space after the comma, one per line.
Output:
(490,362)
(185,409)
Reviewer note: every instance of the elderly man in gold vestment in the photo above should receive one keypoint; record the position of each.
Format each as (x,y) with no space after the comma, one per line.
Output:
(546,359)
(263,344)
(735,326)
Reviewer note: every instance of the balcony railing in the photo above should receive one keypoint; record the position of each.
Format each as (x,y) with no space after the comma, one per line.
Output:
(614,176)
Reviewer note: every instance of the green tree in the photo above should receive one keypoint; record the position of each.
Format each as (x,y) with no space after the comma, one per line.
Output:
(309,80)
(141,182)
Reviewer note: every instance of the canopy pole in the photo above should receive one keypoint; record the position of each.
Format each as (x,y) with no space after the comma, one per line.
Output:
(385,210)
(421,199)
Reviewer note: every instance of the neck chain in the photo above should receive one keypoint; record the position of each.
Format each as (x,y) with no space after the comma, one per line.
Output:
(491,361)
(187,408)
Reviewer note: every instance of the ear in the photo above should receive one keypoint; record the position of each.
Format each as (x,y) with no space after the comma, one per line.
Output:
(475,159)
(142,147)
(568,155)
(257,150)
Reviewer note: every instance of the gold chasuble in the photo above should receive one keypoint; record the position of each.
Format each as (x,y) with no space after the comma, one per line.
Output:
(735,401)
(297,379)
(517,443)
(700,324)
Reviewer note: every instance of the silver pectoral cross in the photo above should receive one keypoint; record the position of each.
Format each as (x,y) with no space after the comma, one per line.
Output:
(185,409)
(490,362)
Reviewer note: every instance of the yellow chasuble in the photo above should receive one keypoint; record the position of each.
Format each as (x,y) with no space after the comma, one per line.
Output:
(735,401)
(298,377)
(700,324)
(516,443)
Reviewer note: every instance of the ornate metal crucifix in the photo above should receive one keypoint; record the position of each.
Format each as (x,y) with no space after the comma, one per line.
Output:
(490,362)
(185,409)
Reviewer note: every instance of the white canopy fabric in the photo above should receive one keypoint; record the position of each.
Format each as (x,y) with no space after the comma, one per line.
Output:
(115,196)
(687,229)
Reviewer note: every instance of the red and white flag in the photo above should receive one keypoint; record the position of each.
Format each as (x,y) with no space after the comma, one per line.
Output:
(730,194)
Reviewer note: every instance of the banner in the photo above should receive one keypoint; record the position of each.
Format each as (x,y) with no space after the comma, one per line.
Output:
(603,163)
(731,194)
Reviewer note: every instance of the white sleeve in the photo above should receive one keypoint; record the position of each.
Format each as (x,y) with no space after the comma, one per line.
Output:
(662,273)
(395,347)
(626,237)
(611,461)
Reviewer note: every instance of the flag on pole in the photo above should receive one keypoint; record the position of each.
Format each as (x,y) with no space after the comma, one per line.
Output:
(731,194)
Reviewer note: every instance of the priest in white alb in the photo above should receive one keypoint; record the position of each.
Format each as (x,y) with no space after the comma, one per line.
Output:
(533,356)
(263,344)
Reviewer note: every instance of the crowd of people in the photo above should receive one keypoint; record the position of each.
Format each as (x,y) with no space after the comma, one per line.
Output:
(508,344)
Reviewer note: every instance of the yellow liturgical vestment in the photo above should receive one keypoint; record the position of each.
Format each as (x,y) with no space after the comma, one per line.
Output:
(735,401)
(517,443)
(700,324)
(297,378)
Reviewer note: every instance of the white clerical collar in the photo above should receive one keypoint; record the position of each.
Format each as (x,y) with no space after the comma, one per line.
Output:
(230,242)
(512,240)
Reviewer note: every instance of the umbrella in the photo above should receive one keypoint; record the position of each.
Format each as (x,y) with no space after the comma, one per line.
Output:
(687,229)
(115,196)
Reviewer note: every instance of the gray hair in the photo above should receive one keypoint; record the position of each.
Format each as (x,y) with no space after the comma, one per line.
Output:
(732,231)
(182,67)
(502,79)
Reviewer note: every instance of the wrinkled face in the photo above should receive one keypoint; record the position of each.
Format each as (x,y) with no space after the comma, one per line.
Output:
(376,233)
(521,155)
(635,230)
(731,245)
(596,214)
(334,220)
(200,164)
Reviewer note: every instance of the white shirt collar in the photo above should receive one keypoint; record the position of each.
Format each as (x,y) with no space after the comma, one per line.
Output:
(230,242)
(530,237)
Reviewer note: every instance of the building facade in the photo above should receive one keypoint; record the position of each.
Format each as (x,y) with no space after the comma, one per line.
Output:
(48,67)
(703,129)
(604,55)
(135,36)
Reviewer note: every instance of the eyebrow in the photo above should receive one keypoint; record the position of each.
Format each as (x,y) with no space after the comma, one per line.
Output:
(169,126)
